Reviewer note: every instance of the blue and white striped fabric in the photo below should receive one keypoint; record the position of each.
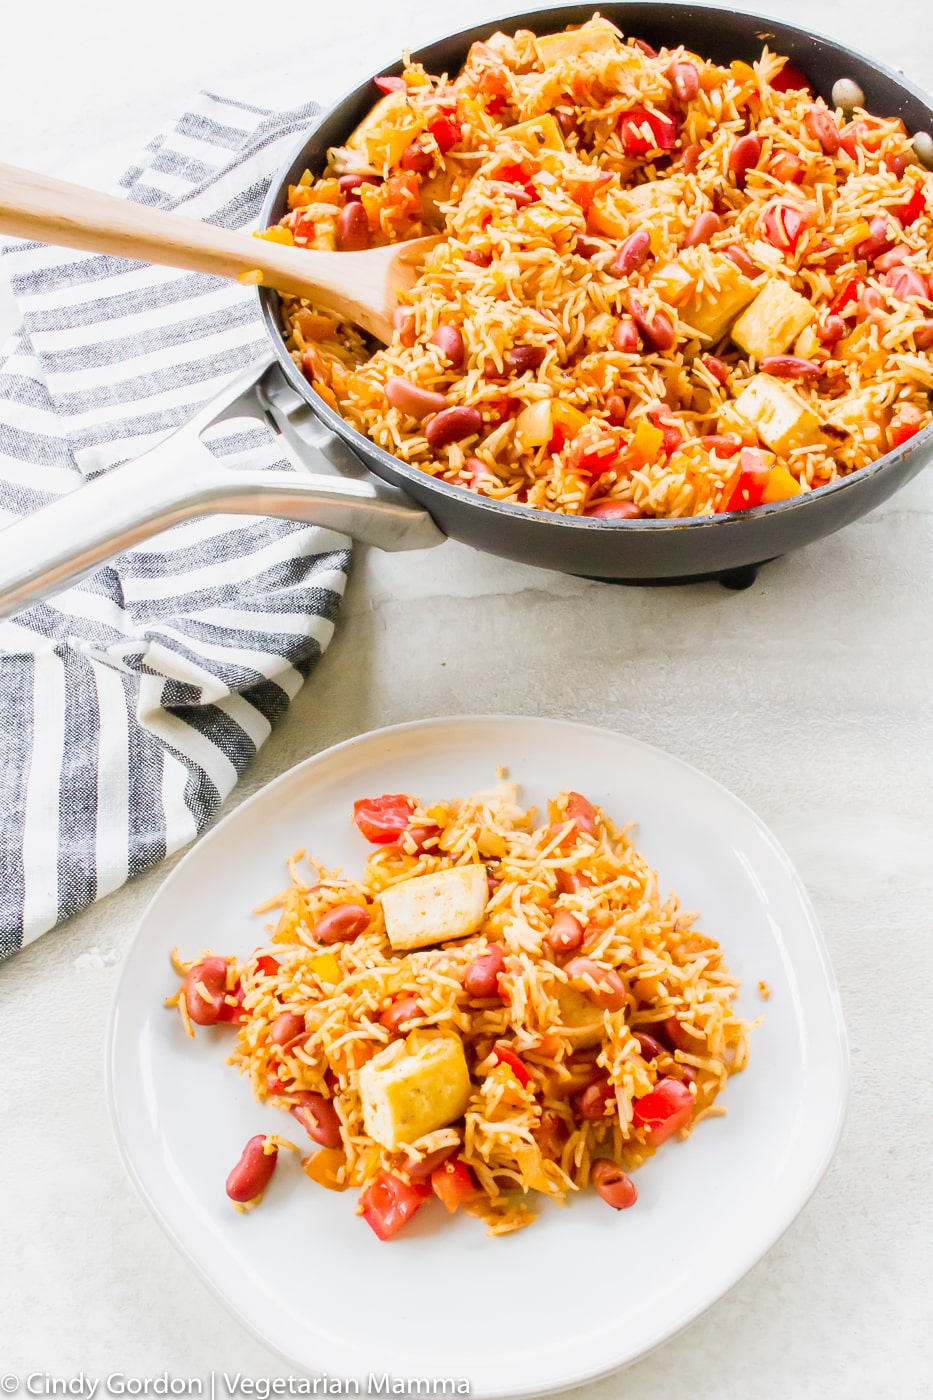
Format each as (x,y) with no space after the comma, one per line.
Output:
(130,704)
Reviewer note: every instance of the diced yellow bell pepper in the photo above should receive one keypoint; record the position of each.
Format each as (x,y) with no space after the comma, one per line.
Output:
(326,967)
(535,425)
(324,1167)
(276,234)
(538,132)
(855,235)
(781,486)
(647,442)
(607,218)
(567,416)
(306,178)
(512,1092)
(598,35)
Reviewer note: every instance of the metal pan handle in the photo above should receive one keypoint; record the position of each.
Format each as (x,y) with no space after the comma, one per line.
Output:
(180,478)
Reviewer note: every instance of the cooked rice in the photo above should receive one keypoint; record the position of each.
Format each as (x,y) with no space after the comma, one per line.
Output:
(535,269)
(515,1140)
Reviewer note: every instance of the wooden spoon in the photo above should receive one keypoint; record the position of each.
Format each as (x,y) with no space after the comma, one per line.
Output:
(361,287)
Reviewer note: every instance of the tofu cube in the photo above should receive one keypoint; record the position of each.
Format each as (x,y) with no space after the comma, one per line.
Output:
(596,36)
(711,313)
(537,133)
(773,321)
(414,1087)
(433,908)
(578,1013)
(781,418)
(384,132)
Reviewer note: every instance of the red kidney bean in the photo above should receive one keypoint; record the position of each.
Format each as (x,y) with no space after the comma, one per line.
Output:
(790,367)
(897,164)
(286,1027)
(524,357)
(744,156)
(687,1073)
(341,924)
(399,1013)
(650,1047)
(352,228)
(420,836)
(481,979)
(616,408)
(831,331)
(878,241)
(923,335)
(450,343)
(581,812)
(892,258)
(644,48)
(677,1035)
(415,157)
(420,1171)
(567,122)
(625,337)
(565,934)
(723,444)
(595,1099)
(253,1171)
(478,258)
(212,972)
(691,159)
(350,185)
(685,80)
(717,368)
(452,425)
(905,282)
(403,319)
(412,399)
(742,261)
(585,248)
(633,251)
(658,329)
(614,510)
(616,1188)
(610,990)
(821,126)
(318,1116)
(702,229)
(871,300)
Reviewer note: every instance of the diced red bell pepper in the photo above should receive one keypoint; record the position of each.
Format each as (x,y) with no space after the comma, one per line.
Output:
(673,437)
(505,1056)
(860,133)
(389,1202)
(581,812)
(452,1183)
(389,84)
(267,965)
(558,438)
(664,1111)
(445,132)
(383,819)
(910,212)
(303,227)
(594,452)
(850,293)
(790,79)
(905,424)
(632,126)
(753,478)
(783,225)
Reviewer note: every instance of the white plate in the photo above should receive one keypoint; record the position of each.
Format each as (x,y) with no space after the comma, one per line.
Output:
(584,1290)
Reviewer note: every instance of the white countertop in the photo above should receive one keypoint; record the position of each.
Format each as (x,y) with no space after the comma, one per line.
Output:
(808,695)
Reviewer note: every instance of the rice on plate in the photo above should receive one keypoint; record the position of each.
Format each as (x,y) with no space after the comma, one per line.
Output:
(664,287)
(496,1008)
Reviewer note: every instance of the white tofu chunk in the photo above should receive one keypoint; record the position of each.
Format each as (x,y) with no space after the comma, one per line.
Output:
(781,418)
(712,313)
(414,1087)
(433,908)
(578,1013)
(773,321)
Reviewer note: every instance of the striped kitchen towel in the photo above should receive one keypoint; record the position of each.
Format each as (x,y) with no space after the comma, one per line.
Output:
(130,704)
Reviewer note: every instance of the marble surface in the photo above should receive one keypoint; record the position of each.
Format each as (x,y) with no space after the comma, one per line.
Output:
(808,695)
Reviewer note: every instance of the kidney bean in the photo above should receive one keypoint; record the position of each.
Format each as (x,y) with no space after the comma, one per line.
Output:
(717,368)
(685,80)
(450,343)
(415,157)
(595,1100)
(352,228)
(478,258)
(401,1011)
(610,990)
(894,257)
(658,329)
(551,1133)
(790,367)
(585,248)
(452,425)
(690,159)
(923,335)
(724,445)
(581,812)
(420,1171)
(341,924)
(680,1038)
(524,357)
(633,251)
(650,1047)
(702,229)
(821,126)
(871,300)
(905,282)
(644,48)
(616,410)
(878,241)
(687,1073)
(567,122)
(616,1188)
(614,510)
(420,837)
(565,934)
(742,261)
(831,330)
(212,973)
(481,979)
(350,185)
(412,399)
(253,1171)
(625,337)
(897,164)
(403,319)
(285,1027)
(744,156)
(319,1118)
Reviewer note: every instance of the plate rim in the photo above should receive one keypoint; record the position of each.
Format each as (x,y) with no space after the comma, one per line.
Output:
(783,1220)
